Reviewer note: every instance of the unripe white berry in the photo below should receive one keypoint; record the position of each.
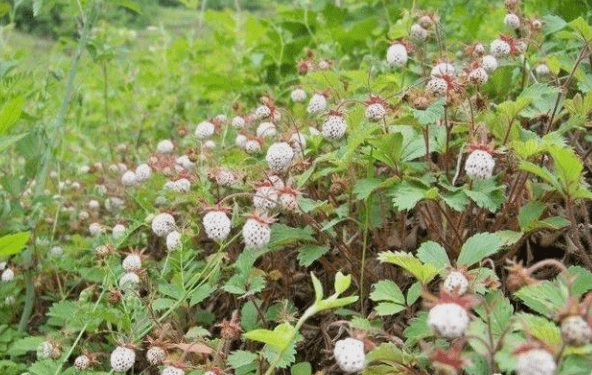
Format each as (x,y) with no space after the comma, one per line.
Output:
(536,362)
(349,355)
(165,146)
(448,320)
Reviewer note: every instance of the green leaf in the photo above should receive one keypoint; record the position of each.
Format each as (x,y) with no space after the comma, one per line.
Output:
(13,243)
(529,213)
(335,303)
(581,26)
(318,287)
(387,290)
(24,345)
(414,292)
(10,113)
(364,187)
(301,368)
(240,358)
(279,338)
(389,353)
(423,272)
(431,114)
(540,328)
(129,5)
(406,195)
(486,194)
(307,254)
(583,279)
(552,23)
(418,329)
(8,140)
(544,298)
(541,172)
(479,246)
(388,308)
(283,235)
(433,253)
(342,282)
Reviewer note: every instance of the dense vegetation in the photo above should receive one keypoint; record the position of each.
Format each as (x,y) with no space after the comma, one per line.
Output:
(295,188)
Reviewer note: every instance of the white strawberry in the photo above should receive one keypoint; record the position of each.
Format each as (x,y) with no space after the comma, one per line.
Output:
(418,33)
(478,76)
(217,225)
(317,104)
(95,228)
(171,370)
(81,362)
(535,362)
(542,70)
(437,86)
(512,21)
(132,262)
(298,95)
(173,241)
(118,231)
(455,283)
(252,146)
(266,129)
(220,119)
(155,355)
(165,146)
(426,22)
(57,251)
(262,112)
(349,355)
(325,64)
(489,63)
(224,177)
(334,127)
(50,350)
(240,140)
(396,55)
(93,205)
(184,162)
(204,130)
(479,165)
(375,109)
(128,178)
(536,24)
(129,281)
(265,198)
(182,185)
(143,172)
(478,50)
(499,48)
(122,359)
(448,320)
(256,231)
(275,181)
(442,70)
(239,122)
(102,250)
(576,331)
(163,224)
(279,156)
(288,198)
